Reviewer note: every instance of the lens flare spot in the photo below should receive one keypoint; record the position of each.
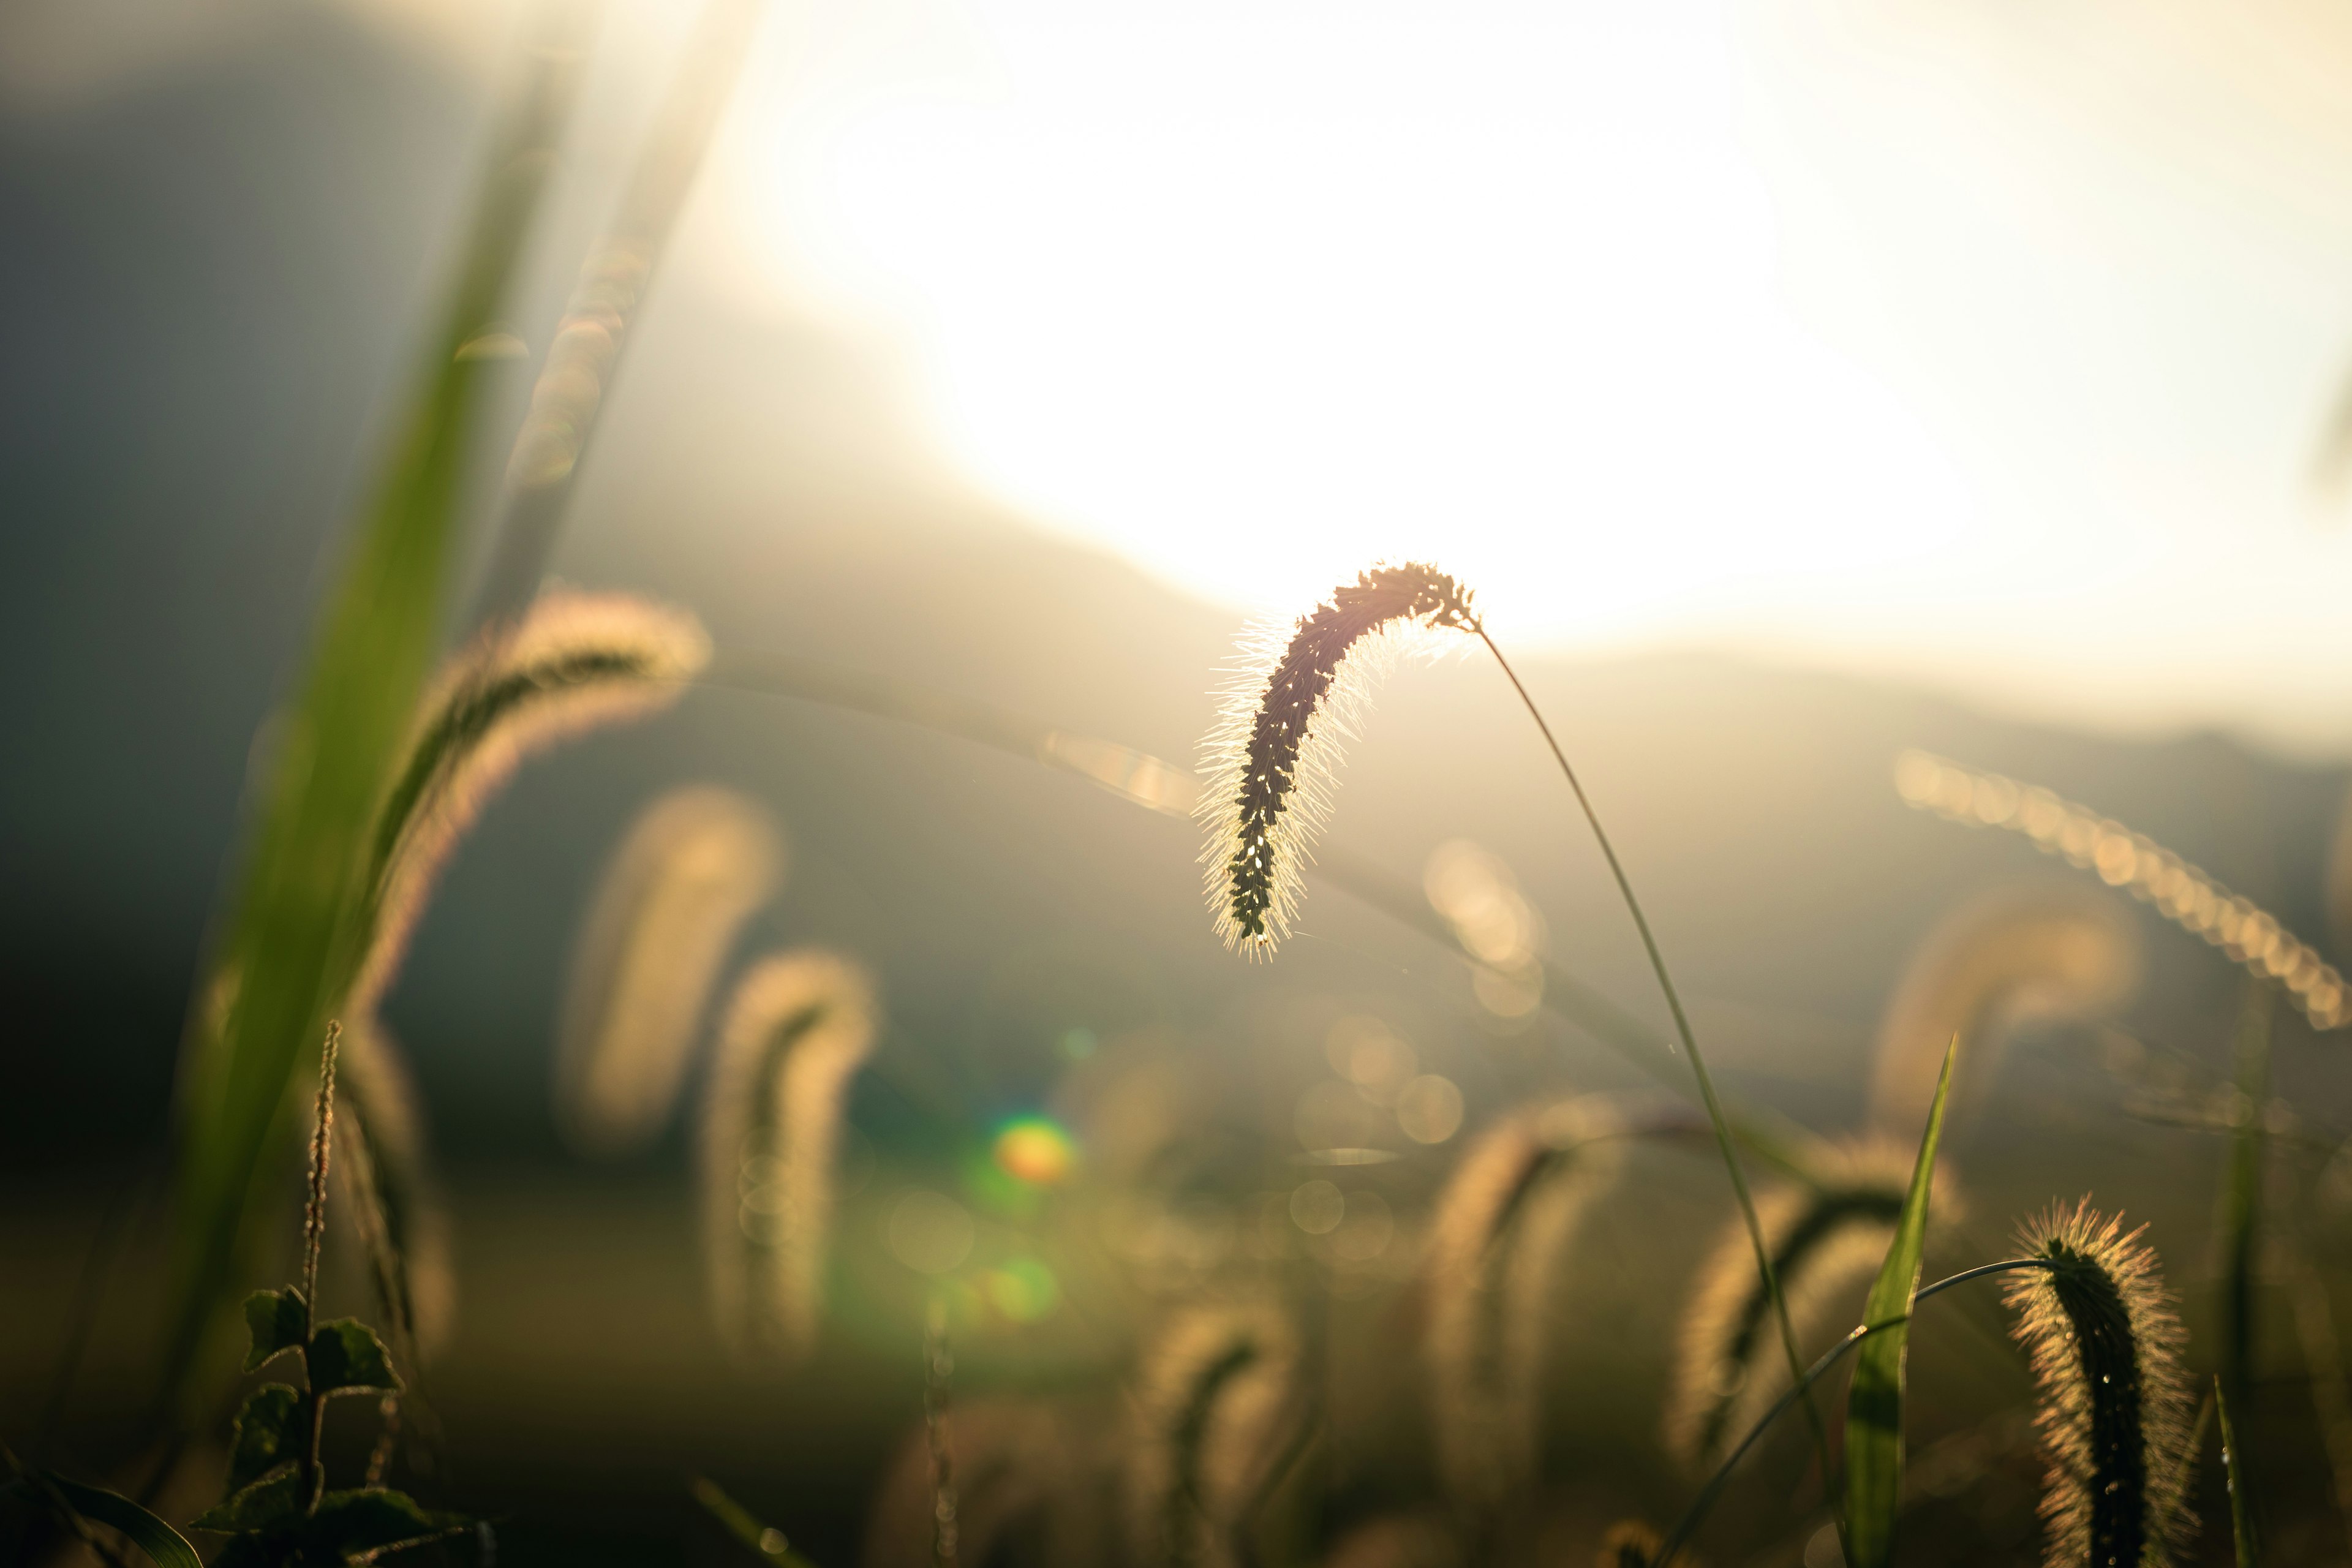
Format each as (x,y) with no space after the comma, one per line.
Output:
(1034,1150)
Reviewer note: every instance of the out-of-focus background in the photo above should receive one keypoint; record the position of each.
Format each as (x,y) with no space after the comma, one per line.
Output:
(1797,383)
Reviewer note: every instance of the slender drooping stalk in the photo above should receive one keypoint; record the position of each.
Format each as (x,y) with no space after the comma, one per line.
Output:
(1690,1043)
(939,1376)
(1696,1514)
(1272,757)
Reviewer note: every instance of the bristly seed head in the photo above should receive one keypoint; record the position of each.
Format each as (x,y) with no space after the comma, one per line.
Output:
(2105,1348)
(1274,750)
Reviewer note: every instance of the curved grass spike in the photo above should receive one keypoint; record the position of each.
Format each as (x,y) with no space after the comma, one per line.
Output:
(1825,1240)
(2114,1404)
(2048,950)
(1208,1403)
(1874,1421)
(692,868)
(292,932)
(575,661)
(1502,1230)
(798,1029)
(2137,864)
(1272,756)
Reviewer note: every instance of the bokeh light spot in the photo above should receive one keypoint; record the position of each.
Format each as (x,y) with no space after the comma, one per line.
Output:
(1034,1150)
(1025,1289)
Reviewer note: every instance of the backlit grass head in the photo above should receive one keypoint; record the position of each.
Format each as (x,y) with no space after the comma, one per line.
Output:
(1272,756)
(384,1173)
(799,1027)
(1826,1242)
(2114,1403)
(574,662)
(1206,1410)
(2049,950)
(1499,1242)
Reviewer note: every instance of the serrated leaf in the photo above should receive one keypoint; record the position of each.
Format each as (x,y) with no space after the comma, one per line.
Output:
(1873,1411)
(275,1319)
(166,1547)
(274,1500)
(266,1434)
(346,1357)
(365,1519)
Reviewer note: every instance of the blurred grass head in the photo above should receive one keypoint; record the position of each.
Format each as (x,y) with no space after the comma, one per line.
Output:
(1826,1241)
(797,1030)
(2048,951)
(1503,1233)
(1205,1415)
(692,868)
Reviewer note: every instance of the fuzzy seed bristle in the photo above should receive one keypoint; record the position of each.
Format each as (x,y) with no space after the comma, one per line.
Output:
(2105,1344)
(2185,895)
(1826,1242)
(574,662)
(1503,1228)
(1272,756)
(2041,951)
(689,872)
(800,1027)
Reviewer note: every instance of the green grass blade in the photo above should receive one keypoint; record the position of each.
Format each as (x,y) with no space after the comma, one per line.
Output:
(2241,1195)
(293,930)
(1873,1409)
(2242,1522)
(167,1547)
(764,1541)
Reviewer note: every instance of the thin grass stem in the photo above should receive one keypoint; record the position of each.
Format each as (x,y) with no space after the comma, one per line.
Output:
(1697,1512)
(1690,1045)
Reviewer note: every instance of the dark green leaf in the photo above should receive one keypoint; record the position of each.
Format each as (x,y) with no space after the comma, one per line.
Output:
(292,931)
(274,1500)
(367,1519)
(266,1435)
(275,1319)
(167,1547)
(347,1358)
(1873,1415)
(2234,1460)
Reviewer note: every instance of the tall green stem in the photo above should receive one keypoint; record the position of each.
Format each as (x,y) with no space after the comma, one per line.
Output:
(1698,1064)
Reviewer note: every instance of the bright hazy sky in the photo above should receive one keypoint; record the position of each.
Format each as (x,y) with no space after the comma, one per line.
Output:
(1990,343)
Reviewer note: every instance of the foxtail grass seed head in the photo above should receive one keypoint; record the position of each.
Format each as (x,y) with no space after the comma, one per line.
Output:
(1826,1242)
(1205,1413)
(1272,758)
(383,1176)
(798,1029)
(695,865)
(1629,1544)
(2114,1403)
(2137,864)
(1502,1235)
(574,661)
(2049,950)
(322,1143)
